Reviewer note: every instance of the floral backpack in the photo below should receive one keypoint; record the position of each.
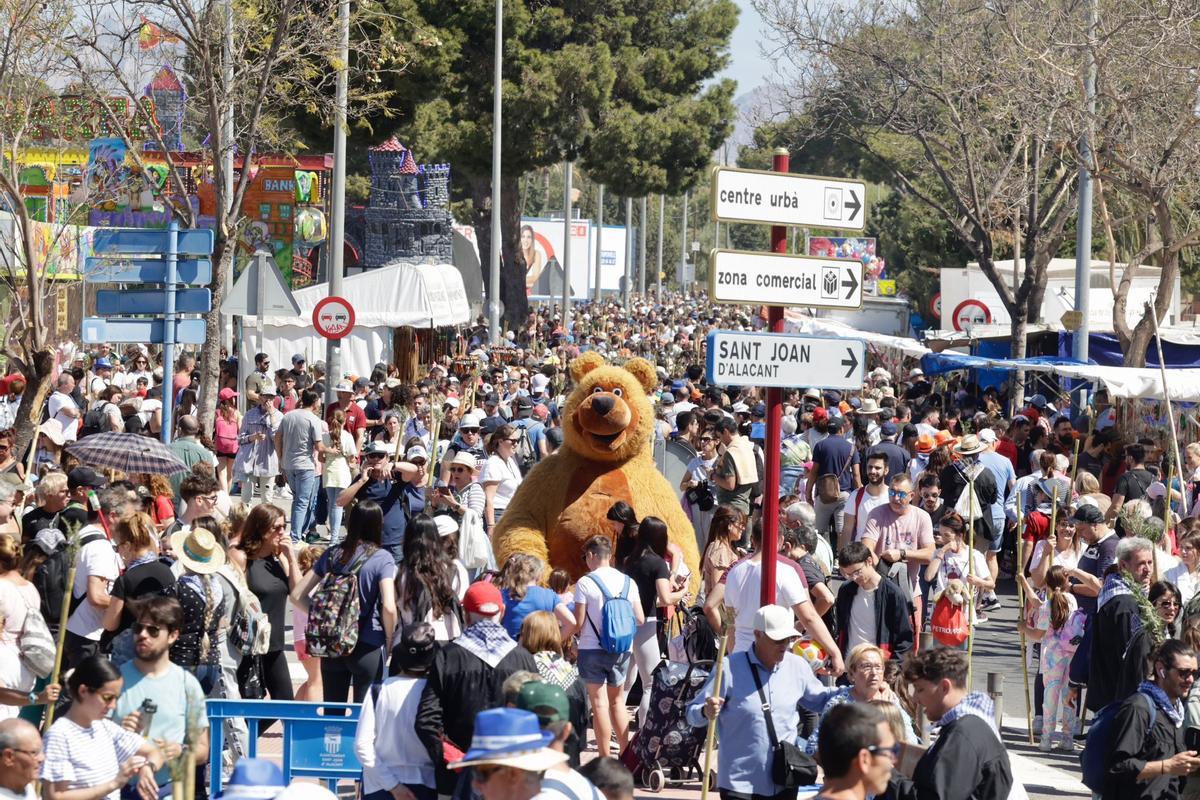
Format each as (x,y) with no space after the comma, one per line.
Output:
(334,611)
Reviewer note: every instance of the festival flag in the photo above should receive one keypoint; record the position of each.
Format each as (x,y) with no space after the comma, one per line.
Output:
(151,36)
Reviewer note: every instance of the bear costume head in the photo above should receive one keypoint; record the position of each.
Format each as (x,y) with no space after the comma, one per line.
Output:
(608,416)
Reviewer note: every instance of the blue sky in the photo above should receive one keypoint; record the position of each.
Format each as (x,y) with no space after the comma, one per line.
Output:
(748,66)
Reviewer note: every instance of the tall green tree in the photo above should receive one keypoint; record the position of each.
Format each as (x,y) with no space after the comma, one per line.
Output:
(623,88)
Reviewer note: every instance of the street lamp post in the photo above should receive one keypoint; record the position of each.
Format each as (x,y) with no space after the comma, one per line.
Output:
(337,204)
(497,119)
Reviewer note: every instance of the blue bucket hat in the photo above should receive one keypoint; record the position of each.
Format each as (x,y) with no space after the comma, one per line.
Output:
(510,737)
(254,779)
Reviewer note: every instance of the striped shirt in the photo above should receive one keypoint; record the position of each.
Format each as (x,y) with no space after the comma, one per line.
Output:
(87,757)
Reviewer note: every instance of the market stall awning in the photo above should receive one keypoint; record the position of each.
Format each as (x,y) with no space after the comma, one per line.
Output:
(419,295)
(800,323)
(1128,382)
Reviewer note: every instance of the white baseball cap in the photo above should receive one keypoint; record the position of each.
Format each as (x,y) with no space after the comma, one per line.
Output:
(987,436)
(776,622)
(416,451)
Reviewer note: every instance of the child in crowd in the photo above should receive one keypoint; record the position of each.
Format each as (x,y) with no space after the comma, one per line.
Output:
(311,690)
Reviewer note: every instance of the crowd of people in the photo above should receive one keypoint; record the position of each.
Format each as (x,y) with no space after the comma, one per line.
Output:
(354,538)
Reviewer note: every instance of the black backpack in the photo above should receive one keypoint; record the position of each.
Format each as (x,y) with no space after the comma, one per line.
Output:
(50,580)
(95,420)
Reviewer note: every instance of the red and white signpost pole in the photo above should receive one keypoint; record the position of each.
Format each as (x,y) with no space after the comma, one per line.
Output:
(774,402)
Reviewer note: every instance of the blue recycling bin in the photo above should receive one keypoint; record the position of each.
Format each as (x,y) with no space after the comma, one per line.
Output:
(315,745)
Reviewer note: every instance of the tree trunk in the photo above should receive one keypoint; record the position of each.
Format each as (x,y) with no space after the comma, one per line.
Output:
(37,388)
(512,272)
(1139,342)
(1018,326)
(224,249)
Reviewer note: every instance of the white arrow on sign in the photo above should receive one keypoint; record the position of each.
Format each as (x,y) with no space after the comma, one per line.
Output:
(775,198)
(782,280)
(785,361)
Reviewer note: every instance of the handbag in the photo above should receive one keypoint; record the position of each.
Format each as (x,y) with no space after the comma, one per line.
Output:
(250,679)
(791,767)
(36,644)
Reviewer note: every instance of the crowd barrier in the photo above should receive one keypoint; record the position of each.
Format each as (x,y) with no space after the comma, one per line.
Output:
(314,745)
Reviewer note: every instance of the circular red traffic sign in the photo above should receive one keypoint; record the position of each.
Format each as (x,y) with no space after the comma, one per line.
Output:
(333,317)
(970,312)
(935,306)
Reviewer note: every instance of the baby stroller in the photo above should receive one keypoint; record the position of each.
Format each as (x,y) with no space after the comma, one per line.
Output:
(667,747)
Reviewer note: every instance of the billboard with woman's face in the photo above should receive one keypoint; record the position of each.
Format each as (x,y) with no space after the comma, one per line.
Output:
(540,249)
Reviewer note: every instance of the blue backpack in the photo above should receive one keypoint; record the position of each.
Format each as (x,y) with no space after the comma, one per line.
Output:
(617,620)
(1097,751)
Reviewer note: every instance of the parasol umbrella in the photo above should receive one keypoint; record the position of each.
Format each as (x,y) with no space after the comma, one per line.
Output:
(128,452)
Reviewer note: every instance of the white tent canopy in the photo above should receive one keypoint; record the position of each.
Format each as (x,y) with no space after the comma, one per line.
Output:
(799,323)
(393,296)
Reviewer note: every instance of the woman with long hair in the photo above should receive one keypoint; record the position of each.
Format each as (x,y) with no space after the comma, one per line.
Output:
(658,592)
(85,749)
(425,582)
(624,524)
(501,474)
(520,586)
(339,454)
(728,525)
(136,537)
(362,553)
(265,555)
(530,256)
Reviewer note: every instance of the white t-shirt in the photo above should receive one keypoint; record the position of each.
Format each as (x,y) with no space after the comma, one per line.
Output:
(743,584)
(864,506)
(95,558)
(862,619)
(588,593)
(577,787)
(58,402)
(507,474)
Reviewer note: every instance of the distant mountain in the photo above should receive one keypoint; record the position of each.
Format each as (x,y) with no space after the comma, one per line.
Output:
(750,110)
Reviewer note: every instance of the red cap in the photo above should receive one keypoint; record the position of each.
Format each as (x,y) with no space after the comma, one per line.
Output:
(226,394)
(483,598)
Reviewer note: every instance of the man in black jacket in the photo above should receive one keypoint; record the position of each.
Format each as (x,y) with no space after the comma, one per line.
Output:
(869,608)
(1115,622)
(467,676)
(968,761)
(1149,759)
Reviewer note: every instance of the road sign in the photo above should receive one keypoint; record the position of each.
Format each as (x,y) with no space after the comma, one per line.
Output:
(785,361)
(747,195)
(150,241)
(1072,320)
(781,280)
(969,313)
(333,317)
(275,298)
(935,305)
(194,271)
(152,301)
(97,330)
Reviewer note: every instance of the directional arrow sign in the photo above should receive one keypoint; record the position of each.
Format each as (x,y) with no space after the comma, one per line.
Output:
(781,280)
(152,301)
(97,330)
(195,271)
(785,361)
(773,198)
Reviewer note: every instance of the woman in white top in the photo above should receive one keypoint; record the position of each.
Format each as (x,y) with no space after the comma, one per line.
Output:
(1065,544)
(17,596)
(1186,574)
(339,452)
(395,762)
(501,475)
(88,755)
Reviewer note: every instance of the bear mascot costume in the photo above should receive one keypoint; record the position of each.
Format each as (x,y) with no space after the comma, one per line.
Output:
(605,457)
